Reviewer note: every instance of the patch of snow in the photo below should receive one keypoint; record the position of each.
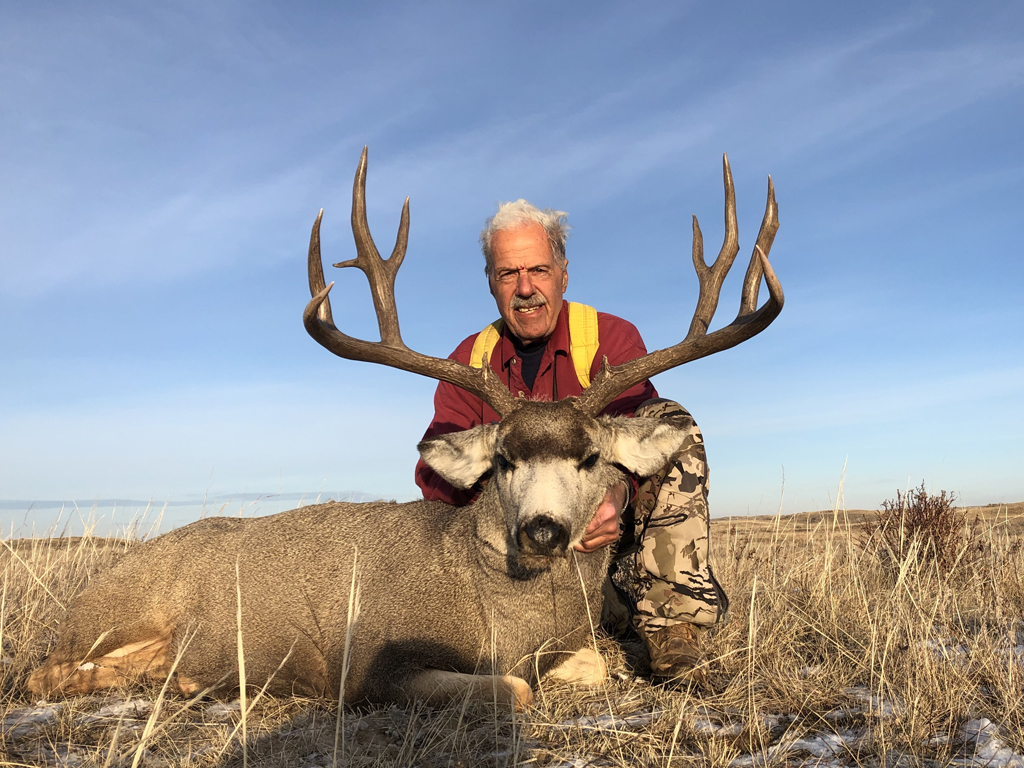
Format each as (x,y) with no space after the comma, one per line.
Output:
(823,744)
(584,762)
(774,721)
(133,709)
(28,721)
(710,728)
(948,649)
(59,755)
(1016,653)
(805,673)
(843,713)
(989,749)
(223,710)
(877,705)
(716,725)
(610,722)
(945,649)
(829,747)
(761,758)
(524,746)
(87,666)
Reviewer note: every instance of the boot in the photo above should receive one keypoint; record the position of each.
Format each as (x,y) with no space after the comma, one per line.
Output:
(674,654)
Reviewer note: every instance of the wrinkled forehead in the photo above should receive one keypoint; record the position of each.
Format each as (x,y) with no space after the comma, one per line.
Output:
(522,247)
(547,430)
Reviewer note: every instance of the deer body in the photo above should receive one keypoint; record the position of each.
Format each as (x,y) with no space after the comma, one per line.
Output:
(474,591)
(429,605)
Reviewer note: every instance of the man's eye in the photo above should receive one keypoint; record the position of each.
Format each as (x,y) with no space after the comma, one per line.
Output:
(540,271)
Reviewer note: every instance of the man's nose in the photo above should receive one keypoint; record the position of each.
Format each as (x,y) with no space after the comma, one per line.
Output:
(524,287)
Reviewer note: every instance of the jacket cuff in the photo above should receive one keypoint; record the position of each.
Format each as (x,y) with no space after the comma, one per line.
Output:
(632,490)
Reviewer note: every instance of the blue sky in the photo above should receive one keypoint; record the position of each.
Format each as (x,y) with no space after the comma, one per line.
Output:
(163,163)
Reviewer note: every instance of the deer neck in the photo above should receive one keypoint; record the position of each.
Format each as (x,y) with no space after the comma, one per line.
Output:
(489,520)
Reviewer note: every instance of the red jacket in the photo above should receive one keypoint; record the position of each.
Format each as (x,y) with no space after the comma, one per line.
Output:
(456,410)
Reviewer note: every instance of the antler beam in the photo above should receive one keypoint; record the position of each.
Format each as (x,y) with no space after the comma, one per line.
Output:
(390,350)
(611,381)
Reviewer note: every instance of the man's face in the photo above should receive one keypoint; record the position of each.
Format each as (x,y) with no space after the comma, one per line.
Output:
(526,282)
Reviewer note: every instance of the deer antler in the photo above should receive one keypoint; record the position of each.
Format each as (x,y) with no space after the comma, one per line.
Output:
(611,381)
(380,273)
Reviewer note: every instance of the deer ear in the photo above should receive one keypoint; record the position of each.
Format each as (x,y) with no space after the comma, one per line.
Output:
(461,458)
(642,445)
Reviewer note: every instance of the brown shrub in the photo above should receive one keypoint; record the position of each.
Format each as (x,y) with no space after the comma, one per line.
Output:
(926,528)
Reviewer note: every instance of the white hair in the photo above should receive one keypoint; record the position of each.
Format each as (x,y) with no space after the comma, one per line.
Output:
(515,215)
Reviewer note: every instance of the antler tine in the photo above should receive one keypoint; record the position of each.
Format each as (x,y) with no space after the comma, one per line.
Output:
(611,381)
(379,272)
(390,350)
(765,238)
(711,278)
(316,271)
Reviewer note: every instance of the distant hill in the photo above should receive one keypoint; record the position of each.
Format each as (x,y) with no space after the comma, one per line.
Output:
(209,501)
(1004,517)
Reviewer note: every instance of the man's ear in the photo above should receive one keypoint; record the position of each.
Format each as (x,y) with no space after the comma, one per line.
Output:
(461,458)
(642,445)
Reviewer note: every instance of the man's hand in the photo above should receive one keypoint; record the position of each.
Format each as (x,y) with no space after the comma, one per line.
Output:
(604,528)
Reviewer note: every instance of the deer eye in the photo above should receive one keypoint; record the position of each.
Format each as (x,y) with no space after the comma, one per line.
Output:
(503,463)
(590,461)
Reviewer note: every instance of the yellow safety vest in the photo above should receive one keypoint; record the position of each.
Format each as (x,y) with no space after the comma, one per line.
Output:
(583,341)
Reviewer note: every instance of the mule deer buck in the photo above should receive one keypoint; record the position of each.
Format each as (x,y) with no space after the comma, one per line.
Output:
(385,602)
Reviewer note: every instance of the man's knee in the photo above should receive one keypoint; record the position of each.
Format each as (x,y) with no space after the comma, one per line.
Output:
(690,457)
(662,408)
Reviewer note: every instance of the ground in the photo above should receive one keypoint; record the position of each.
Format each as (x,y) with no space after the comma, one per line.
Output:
(832,655)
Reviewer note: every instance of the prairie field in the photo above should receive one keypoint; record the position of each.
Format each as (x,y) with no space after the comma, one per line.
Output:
(848,643)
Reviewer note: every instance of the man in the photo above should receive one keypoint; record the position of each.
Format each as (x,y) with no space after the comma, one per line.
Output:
(660,577)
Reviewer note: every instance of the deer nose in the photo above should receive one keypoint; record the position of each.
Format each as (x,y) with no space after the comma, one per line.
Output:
(542,535)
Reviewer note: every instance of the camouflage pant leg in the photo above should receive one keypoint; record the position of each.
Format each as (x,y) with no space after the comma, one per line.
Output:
(661,571)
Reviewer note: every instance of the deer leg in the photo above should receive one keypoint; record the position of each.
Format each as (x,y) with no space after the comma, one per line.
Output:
(585,667)
(435,686)
(185,685)
(142,660)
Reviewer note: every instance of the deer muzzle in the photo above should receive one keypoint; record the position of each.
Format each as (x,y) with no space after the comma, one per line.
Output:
(542,535)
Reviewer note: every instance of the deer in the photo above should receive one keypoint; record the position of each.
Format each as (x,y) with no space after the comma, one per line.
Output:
(385,602)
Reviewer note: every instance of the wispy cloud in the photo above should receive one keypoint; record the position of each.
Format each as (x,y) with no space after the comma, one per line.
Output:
(823,108)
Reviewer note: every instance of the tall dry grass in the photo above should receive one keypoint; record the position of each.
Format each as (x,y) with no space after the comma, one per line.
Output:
(826,640)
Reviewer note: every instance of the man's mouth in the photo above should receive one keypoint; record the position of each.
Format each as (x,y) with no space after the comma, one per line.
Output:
(528,306)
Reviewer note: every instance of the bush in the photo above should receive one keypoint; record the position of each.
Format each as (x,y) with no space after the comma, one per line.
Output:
(928,528)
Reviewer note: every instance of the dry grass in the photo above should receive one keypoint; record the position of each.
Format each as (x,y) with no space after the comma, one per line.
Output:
(823,639)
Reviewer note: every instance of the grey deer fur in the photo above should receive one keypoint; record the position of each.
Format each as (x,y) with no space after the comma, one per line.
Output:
(387,602)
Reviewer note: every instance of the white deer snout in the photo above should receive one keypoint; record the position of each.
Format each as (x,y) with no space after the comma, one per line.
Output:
(550,511)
